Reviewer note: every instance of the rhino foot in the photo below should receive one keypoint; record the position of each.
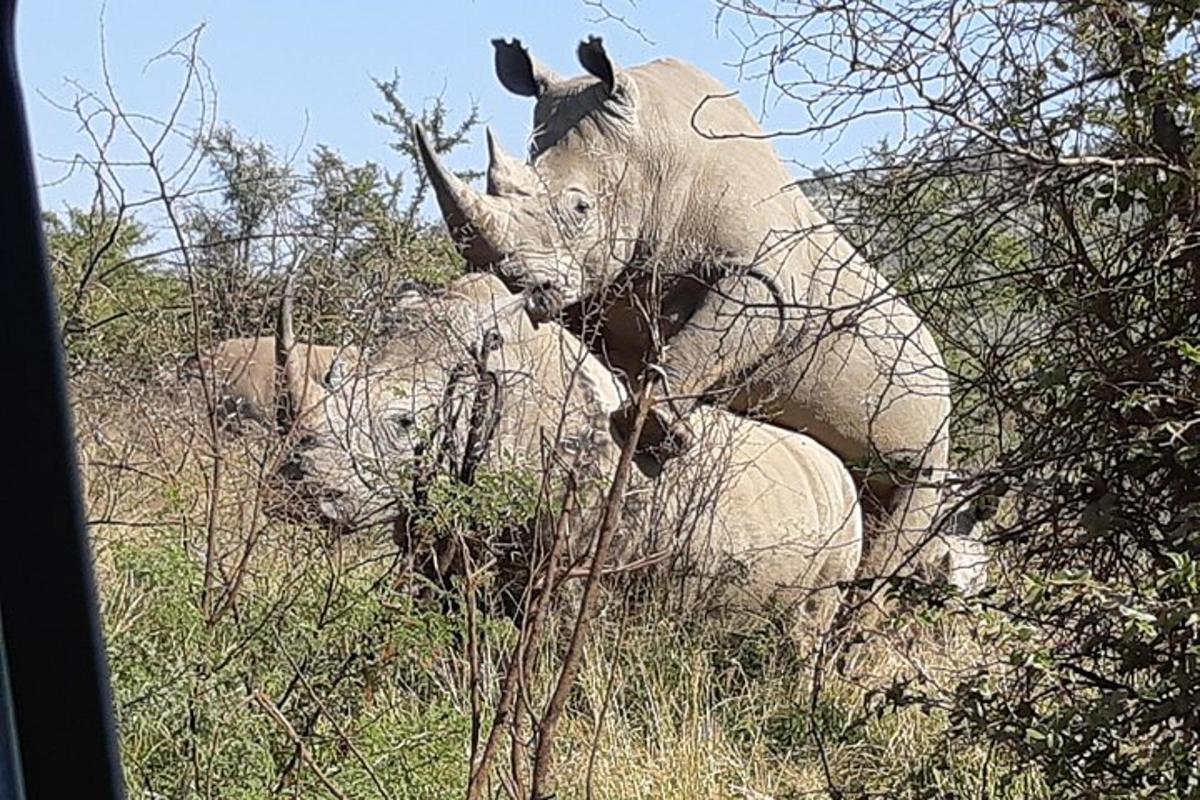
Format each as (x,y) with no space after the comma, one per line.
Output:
(664,436)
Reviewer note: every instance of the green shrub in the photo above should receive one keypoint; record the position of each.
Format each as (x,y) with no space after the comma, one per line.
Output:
(350,673)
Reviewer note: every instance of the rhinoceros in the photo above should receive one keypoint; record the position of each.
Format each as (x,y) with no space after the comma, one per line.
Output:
(768,515)
(657,216)
(243,372)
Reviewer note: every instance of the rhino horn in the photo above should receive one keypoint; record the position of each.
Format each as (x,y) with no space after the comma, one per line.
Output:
(285,345)
(298,391)
(474,220)
(505,174)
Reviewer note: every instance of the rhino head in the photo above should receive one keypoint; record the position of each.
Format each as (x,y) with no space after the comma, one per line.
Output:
(360,444)
(358,441)
(563,225)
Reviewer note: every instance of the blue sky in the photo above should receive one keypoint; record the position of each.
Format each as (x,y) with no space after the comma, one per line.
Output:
(282,65)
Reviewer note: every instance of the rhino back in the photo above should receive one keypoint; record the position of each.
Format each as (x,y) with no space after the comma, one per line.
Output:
(244,369)
(737,199)
(786,511)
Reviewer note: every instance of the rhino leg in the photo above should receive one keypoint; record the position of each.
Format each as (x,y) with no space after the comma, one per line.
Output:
(664,435)
(733,328)
(905,531)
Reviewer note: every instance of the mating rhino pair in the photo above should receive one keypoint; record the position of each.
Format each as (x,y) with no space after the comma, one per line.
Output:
(760,518)
(662,226)
(657,218)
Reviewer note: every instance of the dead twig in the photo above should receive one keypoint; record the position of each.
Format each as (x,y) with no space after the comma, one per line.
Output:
(543,768)
(277,716)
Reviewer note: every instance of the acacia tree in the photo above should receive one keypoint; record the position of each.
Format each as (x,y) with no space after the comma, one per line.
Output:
(356,224)
(113,299)
(1039,204)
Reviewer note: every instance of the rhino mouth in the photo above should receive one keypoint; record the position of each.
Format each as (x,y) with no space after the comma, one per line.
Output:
(297,500)
(300,495)
(544,302)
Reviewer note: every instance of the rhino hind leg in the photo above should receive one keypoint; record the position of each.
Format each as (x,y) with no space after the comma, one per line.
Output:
(909,530)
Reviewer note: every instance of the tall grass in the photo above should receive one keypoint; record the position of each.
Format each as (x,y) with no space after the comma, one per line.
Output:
(325,677)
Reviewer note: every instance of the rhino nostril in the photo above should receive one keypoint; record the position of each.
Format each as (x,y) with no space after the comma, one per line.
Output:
(295,462)
(542,300)
(292,468)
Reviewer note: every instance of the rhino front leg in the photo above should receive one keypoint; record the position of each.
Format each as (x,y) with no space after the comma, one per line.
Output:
(735,327)
(708,353)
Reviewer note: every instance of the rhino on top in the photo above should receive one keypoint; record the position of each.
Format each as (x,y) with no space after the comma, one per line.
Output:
(655,214)
(766,515)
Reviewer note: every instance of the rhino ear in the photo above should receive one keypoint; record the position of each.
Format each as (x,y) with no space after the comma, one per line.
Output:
(495,306)
(597,63)
(404,306)
(520,72)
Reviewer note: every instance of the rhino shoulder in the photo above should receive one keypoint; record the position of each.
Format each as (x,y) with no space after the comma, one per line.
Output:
(568,371)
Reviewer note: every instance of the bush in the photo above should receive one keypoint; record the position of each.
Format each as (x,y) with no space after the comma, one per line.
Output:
(117,306)
(350,674)
(1041,209)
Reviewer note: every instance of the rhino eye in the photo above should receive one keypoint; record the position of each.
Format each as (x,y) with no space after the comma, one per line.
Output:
(336,375)
(402,421)
(578,201)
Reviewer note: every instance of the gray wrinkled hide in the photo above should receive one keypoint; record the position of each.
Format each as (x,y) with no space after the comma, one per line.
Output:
(243,372)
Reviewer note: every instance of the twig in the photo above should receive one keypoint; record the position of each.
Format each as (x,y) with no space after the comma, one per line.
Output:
(274,713)
(526,640)
(316,698)
(543,769)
